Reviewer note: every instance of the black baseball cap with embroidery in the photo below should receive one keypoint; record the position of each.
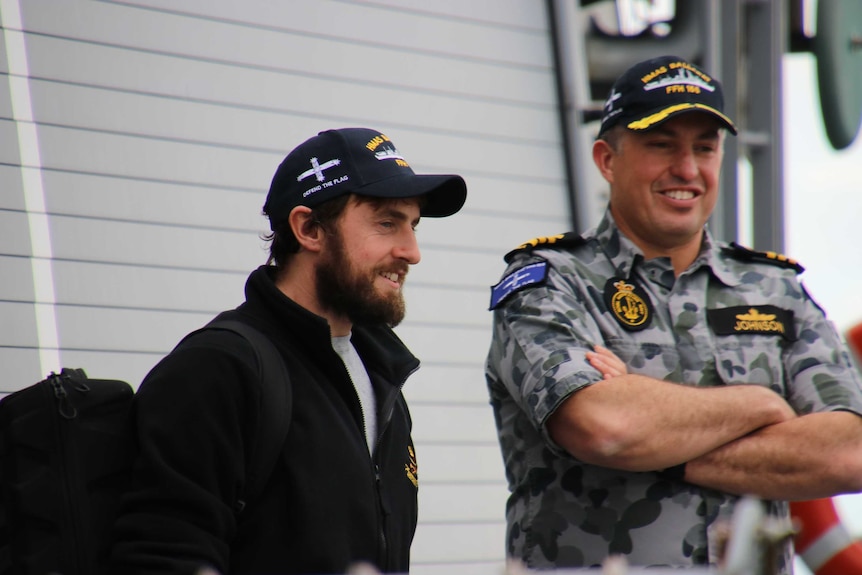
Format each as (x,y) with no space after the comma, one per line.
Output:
(361,161)
(655,90)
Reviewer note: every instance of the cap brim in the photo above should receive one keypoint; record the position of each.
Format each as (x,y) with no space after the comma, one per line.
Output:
(445,194)
(663,114)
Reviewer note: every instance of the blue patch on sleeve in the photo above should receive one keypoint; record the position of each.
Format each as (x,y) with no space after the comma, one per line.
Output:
(519,279)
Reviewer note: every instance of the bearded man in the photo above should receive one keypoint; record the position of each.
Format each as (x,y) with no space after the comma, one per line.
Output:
(343,207)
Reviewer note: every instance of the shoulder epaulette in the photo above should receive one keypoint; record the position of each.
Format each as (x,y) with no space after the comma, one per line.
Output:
(559,241)
(747,254)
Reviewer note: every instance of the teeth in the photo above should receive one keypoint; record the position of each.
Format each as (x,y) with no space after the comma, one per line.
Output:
(679,195)
(391,276)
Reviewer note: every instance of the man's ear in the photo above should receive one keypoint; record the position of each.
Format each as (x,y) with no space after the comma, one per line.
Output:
(307,231)
(603,156)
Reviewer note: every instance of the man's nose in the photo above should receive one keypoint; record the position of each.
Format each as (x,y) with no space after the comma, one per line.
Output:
(685,166)
(408,248)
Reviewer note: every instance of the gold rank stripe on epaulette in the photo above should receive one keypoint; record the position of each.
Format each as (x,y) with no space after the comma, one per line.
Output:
(748,254)
(559,241)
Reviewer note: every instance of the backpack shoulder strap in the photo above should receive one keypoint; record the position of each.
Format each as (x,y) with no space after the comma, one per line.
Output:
(276,405)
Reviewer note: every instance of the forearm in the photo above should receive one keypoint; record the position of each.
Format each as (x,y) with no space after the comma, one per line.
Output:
(638,423)
(817,455)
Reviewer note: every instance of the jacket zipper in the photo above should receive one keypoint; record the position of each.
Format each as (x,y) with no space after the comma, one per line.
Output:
(384,542)
(378,484)
(67,412)
(382,425)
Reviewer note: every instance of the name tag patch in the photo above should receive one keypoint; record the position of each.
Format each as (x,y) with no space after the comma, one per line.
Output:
(532,274)
(759,319)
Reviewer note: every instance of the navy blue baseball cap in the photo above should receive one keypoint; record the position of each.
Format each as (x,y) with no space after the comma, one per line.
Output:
(360,161)
(653,91)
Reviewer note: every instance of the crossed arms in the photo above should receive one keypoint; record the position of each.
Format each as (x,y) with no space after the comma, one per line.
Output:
(741,439)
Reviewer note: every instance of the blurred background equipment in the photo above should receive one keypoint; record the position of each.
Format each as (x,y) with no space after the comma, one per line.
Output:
(822,541)
(838,47)
(854,340)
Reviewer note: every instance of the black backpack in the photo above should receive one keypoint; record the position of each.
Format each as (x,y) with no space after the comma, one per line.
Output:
(66,453)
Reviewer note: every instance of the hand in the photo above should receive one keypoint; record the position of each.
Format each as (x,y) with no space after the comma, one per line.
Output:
(606,362)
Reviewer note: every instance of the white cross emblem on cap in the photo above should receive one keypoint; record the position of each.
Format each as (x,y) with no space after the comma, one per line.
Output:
(317,169)
(612,98)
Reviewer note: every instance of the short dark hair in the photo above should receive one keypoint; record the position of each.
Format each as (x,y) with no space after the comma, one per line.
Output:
(284,243)
(612,136)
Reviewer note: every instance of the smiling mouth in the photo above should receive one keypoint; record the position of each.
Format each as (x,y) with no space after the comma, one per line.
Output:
(392,276)
(680,195)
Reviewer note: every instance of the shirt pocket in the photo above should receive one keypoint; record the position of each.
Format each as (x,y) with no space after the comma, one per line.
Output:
(751,359)
(656,359)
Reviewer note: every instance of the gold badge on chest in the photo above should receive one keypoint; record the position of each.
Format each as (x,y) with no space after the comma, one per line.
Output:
(628,303)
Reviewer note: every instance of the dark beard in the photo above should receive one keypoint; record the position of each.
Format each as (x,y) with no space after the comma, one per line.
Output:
(344,291)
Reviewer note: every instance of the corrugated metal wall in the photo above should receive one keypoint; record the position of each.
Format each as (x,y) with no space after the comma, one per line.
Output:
(137,142)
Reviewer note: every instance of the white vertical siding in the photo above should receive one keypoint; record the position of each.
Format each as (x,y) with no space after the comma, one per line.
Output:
(159,126)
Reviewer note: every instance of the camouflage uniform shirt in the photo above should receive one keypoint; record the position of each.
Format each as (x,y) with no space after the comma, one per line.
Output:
(729,318)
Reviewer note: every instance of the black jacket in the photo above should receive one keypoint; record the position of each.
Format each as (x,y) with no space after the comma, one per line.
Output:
(327,504)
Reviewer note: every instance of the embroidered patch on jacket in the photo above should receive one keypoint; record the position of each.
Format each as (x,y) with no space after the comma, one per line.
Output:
(532,274)
(760,319)
(411,467)
(629,304)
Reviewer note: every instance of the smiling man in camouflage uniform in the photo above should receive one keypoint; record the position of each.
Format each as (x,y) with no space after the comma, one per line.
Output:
(644,376)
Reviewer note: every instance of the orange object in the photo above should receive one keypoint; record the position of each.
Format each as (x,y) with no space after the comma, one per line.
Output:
(854,341)
(823,542)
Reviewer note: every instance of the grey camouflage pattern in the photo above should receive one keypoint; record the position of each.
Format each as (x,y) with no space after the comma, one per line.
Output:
(564,513)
